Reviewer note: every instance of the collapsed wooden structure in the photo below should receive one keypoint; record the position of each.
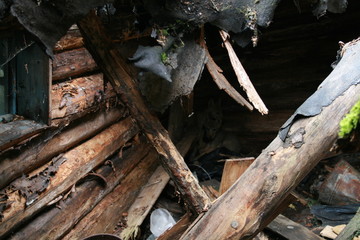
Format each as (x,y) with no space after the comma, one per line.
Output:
(88,171)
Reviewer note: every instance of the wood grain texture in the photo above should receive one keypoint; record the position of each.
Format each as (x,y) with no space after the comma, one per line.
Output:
(116,70)
(243,209)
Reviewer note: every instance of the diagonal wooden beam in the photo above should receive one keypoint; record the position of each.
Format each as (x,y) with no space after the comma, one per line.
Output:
(115,69)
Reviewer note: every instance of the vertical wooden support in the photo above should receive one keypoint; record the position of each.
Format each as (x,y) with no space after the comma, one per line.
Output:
(115,69)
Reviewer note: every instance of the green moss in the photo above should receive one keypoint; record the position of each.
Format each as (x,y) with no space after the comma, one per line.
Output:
(350,121)
(164,57)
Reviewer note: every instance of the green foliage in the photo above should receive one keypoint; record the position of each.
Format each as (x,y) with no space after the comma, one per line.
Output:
(164,57)
(350,121)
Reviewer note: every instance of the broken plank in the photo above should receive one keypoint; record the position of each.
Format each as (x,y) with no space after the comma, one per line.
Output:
(351,228)
(144,202)
(15,163)
(72,63)
(77,163)
(71,40)
(280,167)
(117,71)
(178,229)
(291,230)
(57,221)
(111,212)
(242,76)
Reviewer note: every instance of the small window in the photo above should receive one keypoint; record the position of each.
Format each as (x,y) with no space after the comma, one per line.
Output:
(24,79)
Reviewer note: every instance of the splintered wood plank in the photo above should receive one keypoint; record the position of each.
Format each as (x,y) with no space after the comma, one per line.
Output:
(77,163)
(71,40)
(55,222)
(144,202)
(15,163)
(242,76)
(291,230)
(117,71)
(72,63)
(14,132)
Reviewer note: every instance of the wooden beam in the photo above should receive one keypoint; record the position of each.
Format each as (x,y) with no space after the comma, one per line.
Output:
(116,70)
(242,210)
(60,219)
(77,163)
(15,163)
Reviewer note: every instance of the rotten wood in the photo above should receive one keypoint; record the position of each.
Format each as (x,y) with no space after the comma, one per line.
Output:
(14,163)
(143,203)
(60,219)
(75,164)
(291,230)
(78,95)
(243,210)
(71,40)
(72,63)
(17,131)
(111,213)
(242,76)
(116,70)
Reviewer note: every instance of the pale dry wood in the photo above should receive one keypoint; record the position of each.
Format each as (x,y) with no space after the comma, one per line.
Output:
(60,219)
(291,230)
(233,169)
(351,228)
(242,76)
(111,212)
(223,84)
(144,202)
(117,71)
(78,162)
(14,163)
(244,209)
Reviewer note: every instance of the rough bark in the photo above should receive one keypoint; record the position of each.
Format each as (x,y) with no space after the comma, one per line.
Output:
(75,165)
(14,163)
(116,70)
(243,209)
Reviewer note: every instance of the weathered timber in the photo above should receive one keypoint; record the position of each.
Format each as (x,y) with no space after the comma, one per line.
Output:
(243,209)
(144,202)
(116,70)
(242,76)
(291,230)
(78,162)
(177,230)
(15,163)
(57,221)
(72,63)
(111,212)
(351,229)
(78,95)
(71,40)
(14,132)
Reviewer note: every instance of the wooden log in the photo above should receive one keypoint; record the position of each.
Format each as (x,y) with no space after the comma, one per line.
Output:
(72,40)
(57,221)
(78,95)
(279,168)
(111,212)
(72,63)
(78,162)
(116,70)
(291,230)
(15,163)
(15,132)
